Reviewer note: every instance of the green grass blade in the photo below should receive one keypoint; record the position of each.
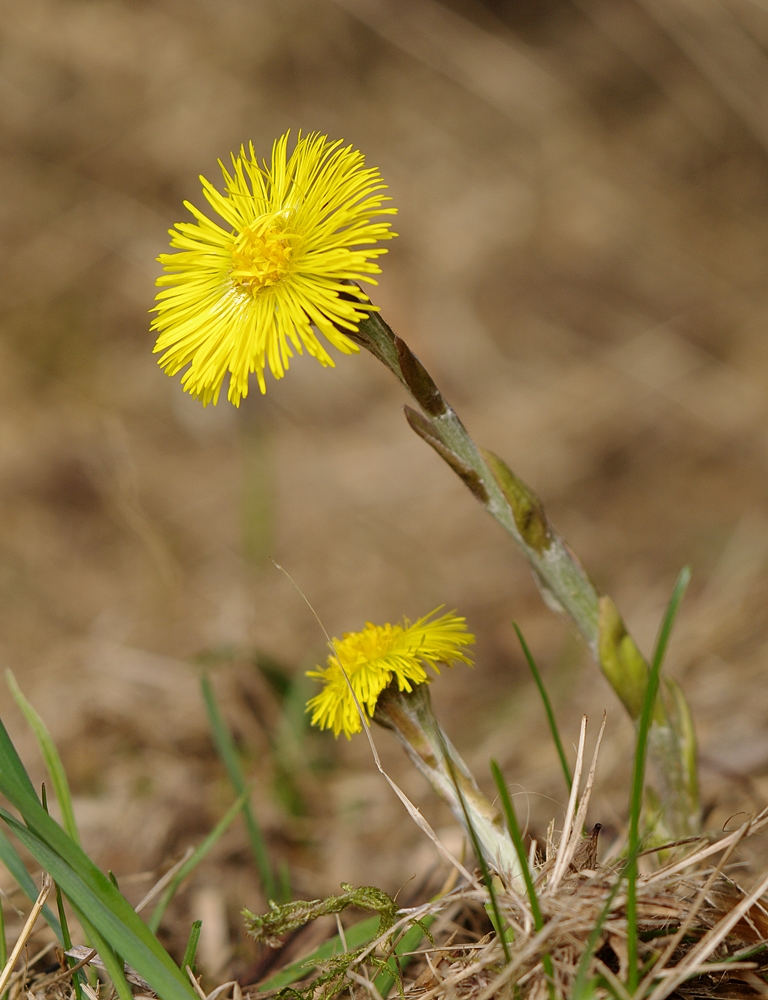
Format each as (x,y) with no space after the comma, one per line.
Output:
(118,925)
(12,861)
(50,756)
(495,915)
(227,751)
(113,880)
(547,706)
(195,858)
(13,775)
(63,921)
(15,783)
(583,990)
(3,939)
(82,882)
(114,965)
(356,936)
(409,942)
(77,978)
(517,839)
(638,774)
(191,950)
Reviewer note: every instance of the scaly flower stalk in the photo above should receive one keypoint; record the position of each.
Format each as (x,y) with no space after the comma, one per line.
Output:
(563,582)
(412,719)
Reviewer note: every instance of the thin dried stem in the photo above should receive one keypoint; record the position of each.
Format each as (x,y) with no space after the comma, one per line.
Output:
(690,917)
(220,990)
(581,815)
(165,880)
(700,952)
(26,931)
(365,983)
(560,864)
(195,985)
(69,972)
(698,856)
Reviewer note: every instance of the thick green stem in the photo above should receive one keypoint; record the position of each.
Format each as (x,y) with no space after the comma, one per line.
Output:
(563,582)
(411,717)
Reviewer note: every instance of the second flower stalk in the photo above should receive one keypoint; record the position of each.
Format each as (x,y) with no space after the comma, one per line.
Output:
(380,673)
(413,721)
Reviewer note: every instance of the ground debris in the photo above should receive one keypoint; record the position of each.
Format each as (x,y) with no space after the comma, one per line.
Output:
(700,935)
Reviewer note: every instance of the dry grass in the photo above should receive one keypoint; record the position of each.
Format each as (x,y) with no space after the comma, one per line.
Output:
(702,936)
(701,931)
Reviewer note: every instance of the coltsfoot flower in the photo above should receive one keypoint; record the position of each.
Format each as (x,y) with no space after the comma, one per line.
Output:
(240,297)
(372,658)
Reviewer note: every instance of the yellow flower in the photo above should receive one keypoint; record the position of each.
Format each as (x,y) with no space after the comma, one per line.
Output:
(372,658)
(240,297)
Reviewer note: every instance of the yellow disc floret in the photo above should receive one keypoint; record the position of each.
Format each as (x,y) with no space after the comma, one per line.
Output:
(238,298)
(262,253)
(367,661)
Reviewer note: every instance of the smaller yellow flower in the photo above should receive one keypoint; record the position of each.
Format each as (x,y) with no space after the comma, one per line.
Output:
(373,657)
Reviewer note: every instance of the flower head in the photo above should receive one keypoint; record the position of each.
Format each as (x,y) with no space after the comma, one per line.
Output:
(242,296)
(370,659)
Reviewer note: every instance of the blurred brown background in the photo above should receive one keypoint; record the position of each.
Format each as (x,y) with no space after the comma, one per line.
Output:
(583,195)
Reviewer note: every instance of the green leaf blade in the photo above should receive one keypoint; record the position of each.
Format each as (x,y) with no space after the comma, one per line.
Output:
(195,858)
(638,773)
(553,728)
(227,751)
(11,859)
(50,756)
(109,914)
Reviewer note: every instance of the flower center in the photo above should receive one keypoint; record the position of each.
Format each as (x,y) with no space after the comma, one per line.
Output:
(262,254)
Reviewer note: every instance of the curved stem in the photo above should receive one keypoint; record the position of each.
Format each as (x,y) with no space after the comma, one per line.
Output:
(410,716)
(563,581)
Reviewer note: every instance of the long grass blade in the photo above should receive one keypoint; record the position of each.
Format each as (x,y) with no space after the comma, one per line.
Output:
(76,979)
(583,990)
(195,858)
(547,706)
(517,839)
(77,976)
(113,880)
(114,966)
(87,888)
(638,774)
(227,751)
(3,939)
(12,861)
(119,928)
(496,916)
(50,756)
